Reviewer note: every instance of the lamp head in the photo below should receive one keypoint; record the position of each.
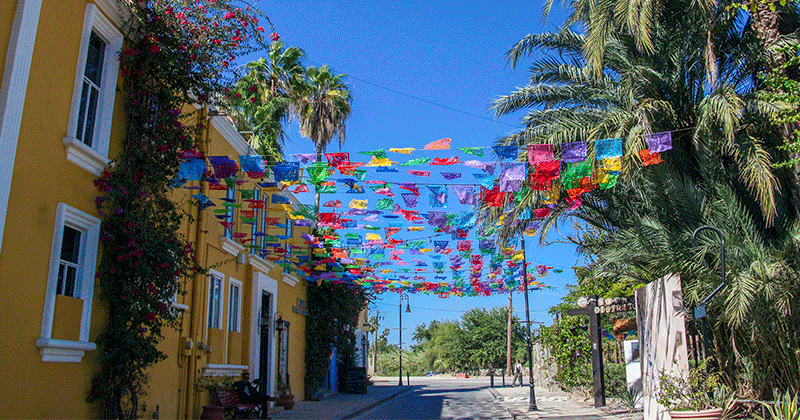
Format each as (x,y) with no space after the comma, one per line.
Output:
(408,307)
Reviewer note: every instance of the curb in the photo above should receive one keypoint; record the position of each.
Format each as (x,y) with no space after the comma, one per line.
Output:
(515,414)
(376,403)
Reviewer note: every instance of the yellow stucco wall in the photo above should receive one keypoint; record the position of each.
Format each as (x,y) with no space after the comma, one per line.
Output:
(7,10)
(24,261)
(42,178)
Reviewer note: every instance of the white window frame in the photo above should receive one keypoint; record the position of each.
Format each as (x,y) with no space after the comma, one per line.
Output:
(57,350)
(289,231)
(94,159)
(215,274)
(233,283)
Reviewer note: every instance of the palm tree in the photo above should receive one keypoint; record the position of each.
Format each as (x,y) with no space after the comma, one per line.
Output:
(264,99)
(323,108)
(718,173)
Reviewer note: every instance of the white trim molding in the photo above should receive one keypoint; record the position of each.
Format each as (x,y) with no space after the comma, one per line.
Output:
(94,20)
(228,131)
(54,350)
(262,283)
(89,226)
(230,246)
(84,156)
(224,370)
(260,264)
(289,279)
(12,94)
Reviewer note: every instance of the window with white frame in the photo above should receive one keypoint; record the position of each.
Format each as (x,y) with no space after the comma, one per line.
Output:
(73,261)
(69,263)
(230,194)
(254,244)
(215,300)
(93,95)
(288,232)
(235,306)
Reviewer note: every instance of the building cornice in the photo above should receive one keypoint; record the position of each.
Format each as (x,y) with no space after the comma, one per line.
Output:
(230,246)
(260,264)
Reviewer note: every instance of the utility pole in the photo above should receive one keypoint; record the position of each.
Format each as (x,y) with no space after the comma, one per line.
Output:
(508,334)
(532,395)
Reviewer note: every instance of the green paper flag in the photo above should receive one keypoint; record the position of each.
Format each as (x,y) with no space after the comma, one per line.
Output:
(417,161)
(379,154)
(319,172)
(327,189)
(385,204)
(231,181)
(574,171)
(477,151)
(360,174)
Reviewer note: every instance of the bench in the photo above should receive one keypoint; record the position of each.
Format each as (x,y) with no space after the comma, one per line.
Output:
(231,405)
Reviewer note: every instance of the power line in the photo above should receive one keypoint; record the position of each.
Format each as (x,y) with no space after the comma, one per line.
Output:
(426,100)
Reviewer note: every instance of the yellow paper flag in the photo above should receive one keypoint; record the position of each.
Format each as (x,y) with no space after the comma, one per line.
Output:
(612,164)
(373,237)
(406,150)
(415,228)
(380,162)
(358,204)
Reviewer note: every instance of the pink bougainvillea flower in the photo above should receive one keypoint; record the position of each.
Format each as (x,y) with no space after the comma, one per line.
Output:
(230,15)
(260,28)
(274,36)
(154,49)
(150,316)
(253,99)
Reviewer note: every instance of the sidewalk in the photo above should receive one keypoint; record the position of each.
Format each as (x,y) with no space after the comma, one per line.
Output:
(343,406)
(554,405)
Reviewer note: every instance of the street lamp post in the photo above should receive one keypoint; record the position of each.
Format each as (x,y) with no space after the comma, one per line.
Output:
(532,397)
(400,331)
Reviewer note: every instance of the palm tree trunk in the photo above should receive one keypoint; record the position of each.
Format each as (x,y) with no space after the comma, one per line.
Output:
(766,25)
(316,190)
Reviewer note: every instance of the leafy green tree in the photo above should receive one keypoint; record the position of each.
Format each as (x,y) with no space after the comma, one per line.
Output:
(324,105)
(719,173)
(265,97)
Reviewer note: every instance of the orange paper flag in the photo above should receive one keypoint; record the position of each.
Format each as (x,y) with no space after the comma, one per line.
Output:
(441,144)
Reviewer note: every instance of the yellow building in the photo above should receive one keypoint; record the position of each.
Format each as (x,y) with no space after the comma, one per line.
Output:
(246,313)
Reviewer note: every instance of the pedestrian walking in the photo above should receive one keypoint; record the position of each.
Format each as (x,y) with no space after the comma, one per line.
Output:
(517,374)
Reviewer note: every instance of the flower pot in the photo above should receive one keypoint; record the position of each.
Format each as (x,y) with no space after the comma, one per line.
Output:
(286,401)
(710,414)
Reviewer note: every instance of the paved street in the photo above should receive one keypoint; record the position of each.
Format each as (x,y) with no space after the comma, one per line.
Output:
(443,397)
(447,397)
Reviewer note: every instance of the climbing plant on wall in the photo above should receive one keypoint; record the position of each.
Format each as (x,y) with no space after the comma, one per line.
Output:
(334,309)
(176,53)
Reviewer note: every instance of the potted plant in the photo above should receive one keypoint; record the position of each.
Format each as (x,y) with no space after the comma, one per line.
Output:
(701,396)
(284,398)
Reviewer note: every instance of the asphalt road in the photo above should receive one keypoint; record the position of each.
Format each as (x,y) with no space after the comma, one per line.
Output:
(442,398)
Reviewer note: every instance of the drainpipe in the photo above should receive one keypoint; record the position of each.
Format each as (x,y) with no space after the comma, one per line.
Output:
(197,308)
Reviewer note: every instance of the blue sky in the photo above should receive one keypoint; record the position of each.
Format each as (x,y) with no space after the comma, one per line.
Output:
(450,55)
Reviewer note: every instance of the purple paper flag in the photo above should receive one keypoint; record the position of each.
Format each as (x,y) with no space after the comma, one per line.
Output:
(513,175)
(573,152)
(224,166)
(451,175)
(659,142)
(411,199)
(305,157)
(436,218)
(465,194)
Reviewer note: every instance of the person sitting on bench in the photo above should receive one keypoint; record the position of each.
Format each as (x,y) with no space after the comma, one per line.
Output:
(248,394)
